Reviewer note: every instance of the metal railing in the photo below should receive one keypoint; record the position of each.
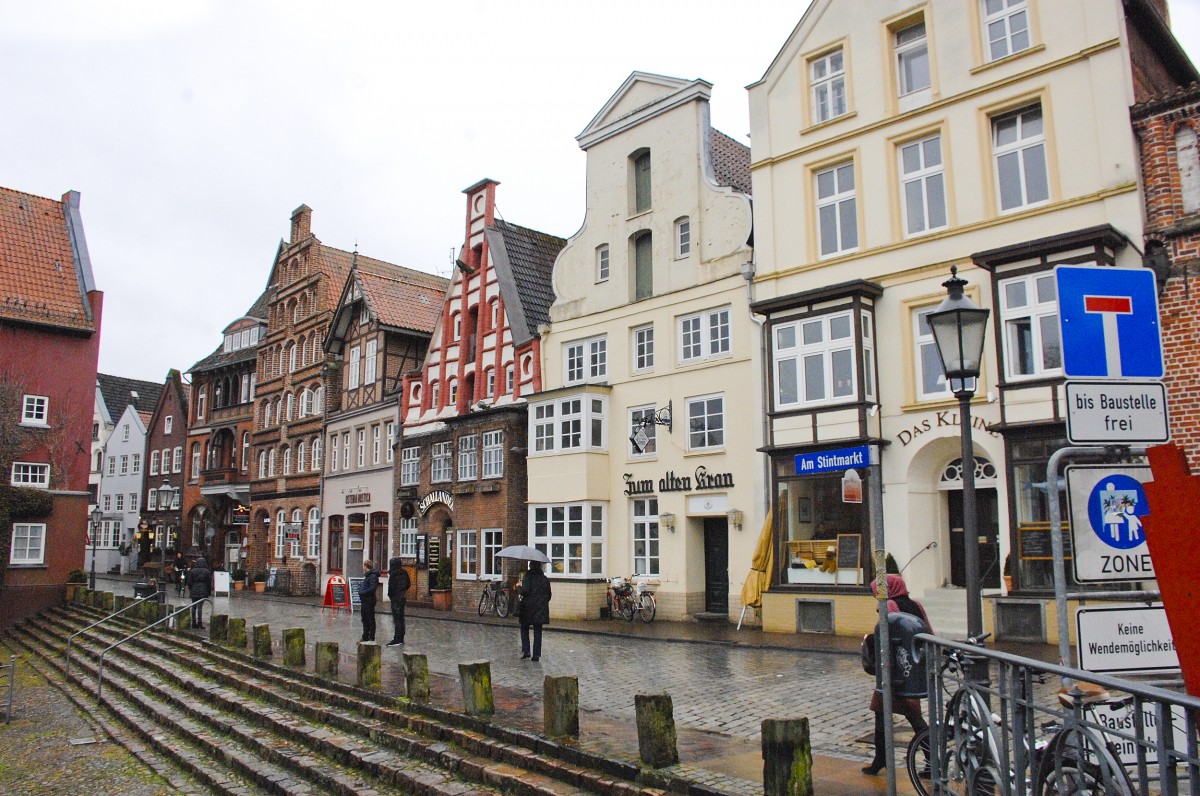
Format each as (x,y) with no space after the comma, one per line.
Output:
(135,634)
(9,670)
(97,623)
(1020,733)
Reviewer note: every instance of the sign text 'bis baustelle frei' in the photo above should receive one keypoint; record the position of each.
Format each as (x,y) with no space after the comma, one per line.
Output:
(1112,412)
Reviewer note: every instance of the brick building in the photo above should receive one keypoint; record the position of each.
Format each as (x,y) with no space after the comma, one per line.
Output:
(162,487)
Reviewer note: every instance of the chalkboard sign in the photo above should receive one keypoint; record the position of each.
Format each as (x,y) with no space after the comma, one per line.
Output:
(1035,543)
(849,551)
(339,593)
(336,595)
(355,597)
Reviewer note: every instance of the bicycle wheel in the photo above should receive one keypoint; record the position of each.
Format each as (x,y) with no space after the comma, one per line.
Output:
(502,603)
(626,605)
(916,760)
(485,602)
(969,744)
(1062,773)
(647,608)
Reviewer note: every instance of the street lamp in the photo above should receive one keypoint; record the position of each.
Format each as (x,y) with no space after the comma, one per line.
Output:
(96,516)
(958,326)
(166,494)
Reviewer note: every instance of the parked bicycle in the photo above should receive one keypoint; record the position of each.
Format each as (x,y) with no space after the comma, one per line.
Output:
(644,603)
(494,599)
(620,598)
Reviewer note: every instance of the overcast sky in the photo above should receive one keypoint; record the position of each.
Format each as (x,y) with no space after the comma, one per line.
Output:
(193,129)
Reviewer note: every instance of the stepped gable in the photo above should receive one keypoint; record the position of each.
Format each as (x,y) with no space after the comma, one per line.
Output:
(42,281)
(401,297)
(117,392)
(220,357)
(524,260)
(730,161)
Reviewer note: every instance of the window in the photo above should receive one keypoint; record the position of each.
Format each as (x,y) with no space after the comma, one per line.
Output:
(287,461)
(35,410)
(645,536)
(313,549)
(827,76)
(28,543)
(291,406)
(200,401)
(280,532)
(177,460)
(491,541)
(369,366)
(814,360)
(168,424)
(125,433)
(245,388)
(490,381)
(457,325)
(637,416)
(586,360)
(572,535)
(509,379)
(434,396)
(391,442)
(1005,27)
(108,502)
(271,462)
(124,464)
(333,444)
(641,181)
(153,462)
(912,65)
(452,392)
(643,266)
(562,425)
(337,528)
(352,368)
(361,458)
(408,466)
(376,439)
(704,335)
(466,555)
(292,358)
(922,185)
(493,454)
(245,452)
(31,474)
(931,379)
(408,537)
(316,453)
(643,348)
(706,422)
(135,463)
(266,414)
(602,263)
(306,402)
(133,502)
(442,466)
(1029,312)
(468,462)
(345,450)
(683,237)
(837,218)
(119,499)
(301,456)
(296,527)
(262,464)
(166,461)
(1019,148)
(112,465)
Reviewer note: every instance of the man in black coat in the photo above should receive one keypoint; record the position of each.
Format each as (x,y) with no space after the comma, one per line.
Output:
(367,591)
(199,583)
(397,590)
(533,608)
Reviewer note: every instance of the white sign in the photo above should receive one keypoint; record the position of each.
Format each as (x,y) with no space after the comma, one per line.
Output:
(220,582)
(1125,640)
(1120,719)
(1107,412)
(1107,505)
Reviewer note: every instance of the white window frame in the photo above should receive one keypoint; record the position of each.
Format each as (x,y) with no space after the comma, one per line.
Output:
(572,535)
(836,208)
(297,525)
(316,453)
(287,461)
(124,464)
(706,422)
(112,465)
(408,537)
(442,462)
(1039,310)
(362,448)
(1005,28)
(926,358)
(683,237)
(271,462)
(643,348)
(201,399)
(468,457)
(280,527)
(125,433)
(390,451)
(603,263)
(119,501)
(135,463)
(152,500)
(491,541)
(922,185)
(376,442)
(1020,158)
(410,460)
(177,459)
(301,456)
(34,475)
(466,554)
(585,360)
(369,365)
(153,462)
(313,549)
(827,81)
(705,335)
(637,414)
(333,446)
(493,453)
(35,411)
(168,424)
(346,451)
(352,368)
(28,546)
(645,536)
(829,350)
(912,57)
(568,424)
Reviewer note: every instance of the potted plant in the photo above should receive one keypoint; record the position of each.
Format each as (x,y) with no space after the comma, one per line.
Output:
(441,586)
(239,578)
(1008,574)
(75,578)
(260,581)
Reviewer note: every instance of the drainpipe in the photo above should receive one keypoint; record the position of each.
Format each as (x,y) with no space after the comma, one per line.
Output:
(749,268)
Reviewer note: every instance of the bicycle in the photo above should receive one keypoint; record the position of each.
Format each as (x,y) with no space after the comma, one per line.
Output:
(494,599)
(645,606)
(620,599)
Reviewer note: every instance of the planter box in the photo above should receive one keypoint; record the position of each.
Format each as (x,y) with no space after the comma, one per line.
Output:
(443,599)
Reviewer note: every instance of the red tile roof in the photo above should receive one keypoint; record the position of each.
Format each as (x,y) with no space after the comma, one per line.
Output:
(401,297)
(39,282)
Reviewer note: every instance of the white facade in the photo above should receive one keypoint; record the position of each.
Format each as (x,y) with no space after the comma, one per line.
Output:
(120,495)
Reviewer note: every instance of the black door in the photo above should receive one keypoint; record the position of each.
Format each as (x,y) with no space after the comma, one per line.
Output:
(987,508)
(716,565)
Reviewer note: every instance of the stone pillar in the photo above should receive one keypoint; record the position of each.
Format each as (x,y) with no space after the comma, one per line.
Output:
(106,601)
(184,621)
(787,758)
(262,641)
(656,729)
(237,632)
(83,595)
(416,676)
(476,679)
(326,654)
(370,658)
(293,646)
(560,706)
(218,628)
(120,602)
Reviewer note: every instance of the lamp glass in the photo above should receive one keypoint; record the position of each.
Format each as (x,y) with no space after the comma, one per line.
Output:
(958,332)
(97,515)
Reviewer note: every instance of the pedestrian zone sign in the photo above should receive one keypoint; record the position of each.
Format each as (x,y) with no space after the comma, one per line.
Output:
(1108,319)
(1107,505)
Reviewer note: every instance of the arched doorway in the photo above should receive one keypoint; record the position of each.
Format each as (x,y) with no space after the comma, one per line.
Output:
(988,512)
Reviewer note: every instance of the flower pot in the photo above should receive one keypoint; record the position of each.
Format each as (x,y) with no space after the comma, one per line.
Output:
(442,599)
(238,585)
(260,586)
(1008,586)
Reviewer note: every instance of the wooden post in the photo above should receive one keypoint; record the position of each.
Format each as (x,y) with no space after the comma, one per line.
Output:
(787,758)
(326,654)
(369,662)
(218,628)
(560,706)
(237,632)
(106,601)
(293,646)
(184,621)
(476,679)
(262,641)
(416,676)
(656,729)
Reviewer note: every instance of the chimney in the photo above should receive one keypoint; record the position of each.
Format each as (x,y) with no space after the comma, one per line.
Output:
(301,223)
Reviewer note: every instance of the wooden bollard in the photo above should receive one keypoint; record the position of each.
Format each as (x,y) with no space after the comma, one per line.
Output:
(262,641)
(656,729)
(476,677)
(83,595)
(293,646)
(218,628)
(560,706)
(787,758)
(237,632)
(184,621)
(416,676)
(326,654)
(370,659)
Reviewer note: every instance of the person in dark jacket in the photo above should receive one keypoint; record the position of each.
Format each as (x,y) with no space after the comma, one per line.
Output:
(533,608)
(397,591)
(367,591)
(199,582)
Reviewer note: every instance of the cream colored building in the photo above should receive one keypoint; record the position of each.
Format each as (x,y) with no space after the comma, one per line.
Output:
(651,315)
(892,141)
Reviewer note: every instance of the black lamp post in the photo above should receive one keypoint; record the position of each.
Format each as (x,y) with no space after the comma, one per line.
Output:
(166,495)
(958,327)
(96,516)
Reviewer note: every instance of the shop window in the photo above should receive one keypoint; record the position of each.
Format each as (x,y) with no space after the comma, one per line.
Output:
(811,517)
(337,536)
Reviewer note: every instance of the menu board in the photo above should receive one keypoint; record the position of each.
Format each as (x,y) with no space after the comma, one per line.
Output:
(1035,543)
(849,551)
(355,597)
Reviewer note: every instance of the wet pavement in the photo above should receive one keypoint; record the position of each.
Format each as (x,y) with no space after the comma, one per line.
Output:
(723,682)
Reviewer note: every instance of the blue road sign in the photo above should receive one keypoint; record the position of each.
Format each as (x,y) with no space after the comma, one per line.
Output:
(1115,508)
(830,461)
(1109,322)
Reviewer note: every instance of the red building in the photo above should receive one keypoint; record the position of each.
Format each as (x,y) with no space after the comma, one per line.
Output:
(50,314)
(166,435)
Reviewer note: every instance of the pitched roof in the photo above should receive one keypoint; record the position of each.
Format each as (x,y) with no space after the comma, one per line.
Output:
(401,297)
(42,280)
(118,393)
(220,358)
(730,161)
(524,262)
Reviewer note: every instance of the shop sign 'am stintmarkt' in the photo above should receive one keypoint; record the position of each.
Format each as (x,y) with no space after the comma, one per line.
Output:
(1108,412)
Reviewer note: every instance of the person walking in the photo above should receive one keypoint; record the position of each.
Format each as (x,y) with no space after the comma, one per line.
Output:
(533,608)
(908,707)
(180,573)
(199,583)
(366,596)
(397,590)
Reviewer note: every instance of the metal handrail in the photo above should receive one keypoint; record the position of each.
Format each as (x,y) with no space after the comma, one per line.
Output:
(71,638)
(135,634)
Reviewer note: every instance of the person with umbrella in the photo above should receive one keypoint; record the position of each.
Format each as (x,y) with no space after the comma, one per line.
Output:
(533,598)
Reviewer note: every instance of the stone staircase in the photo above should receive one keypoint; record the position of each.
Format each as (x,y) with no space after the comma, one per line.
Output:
(244,726)
(947,609)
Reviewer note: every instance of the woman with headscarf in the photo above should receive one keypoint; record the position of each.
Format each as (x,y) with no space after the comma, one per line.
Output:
(908,707)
